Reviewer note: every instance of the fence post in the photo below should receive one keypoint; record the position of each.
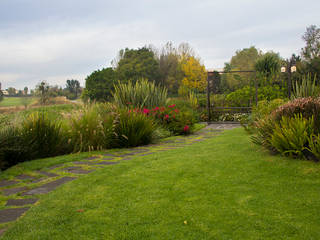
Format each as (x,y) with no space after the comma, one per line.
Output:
(208,99)
(256,86)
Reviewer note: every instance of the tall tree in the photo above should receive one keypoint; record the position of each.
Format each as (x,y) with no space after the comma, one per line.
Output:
(134,64)
(73,86)
(99,85)
(195,75)
(243,60)
(42,90)
(312,40)
(171,73)
(268,64)
(25,90)
(1,95)
(12,91)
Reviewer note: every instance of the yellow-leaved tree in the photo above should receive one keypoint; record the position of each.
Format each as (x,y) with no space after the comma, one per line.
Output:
(195,75)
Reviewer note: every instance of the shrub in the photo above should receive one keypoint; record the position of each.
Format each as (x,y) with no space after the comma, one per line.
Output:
(314,146)
(291,135)
(261,111)
(307,107)
(264,131)
(12,147)
(132,129)
(36,137)
(175,120)
(43,136)
(88,131)
(142,94)
(246,96)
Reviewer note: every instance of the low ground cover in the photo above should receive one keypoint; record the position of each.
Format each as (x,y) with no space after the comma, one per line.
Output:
(222,188)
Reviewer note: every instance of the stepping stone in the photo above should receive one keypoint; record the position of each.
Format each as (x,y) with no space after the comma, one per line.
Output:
(90,158)
(48,174)
(25,177)
(21,202)
(5,183)
(80,162)
(68,169)
(38,180)
(106,163)
(77,170)
(8,215)
(48,187)
(11,191)
(55,166)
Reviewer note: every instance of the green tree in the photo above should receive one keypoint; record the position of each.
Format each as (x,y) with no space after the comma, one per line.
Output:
(42,90)
(243,60)
(171,73)
(11,91)
(1,96)
(134,64)
(99,85)
(73,87)
(25,90)
(268,64)
(312,40)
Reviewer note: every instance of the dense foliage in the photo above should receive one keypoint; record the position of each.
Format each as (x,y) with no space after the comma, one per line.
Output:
(291,129)
(99,85)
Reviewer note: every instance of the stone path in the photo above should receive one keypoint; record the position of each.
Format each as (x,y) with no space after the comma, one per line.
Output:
(22,192)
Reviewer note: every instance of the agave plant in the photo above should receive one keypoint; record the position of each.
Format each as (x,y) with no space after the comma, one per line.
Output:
(142,94)
(307,88)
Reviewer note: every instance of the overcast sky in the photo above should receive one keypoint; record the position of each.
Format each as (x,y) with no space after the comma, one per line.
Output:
(56,40)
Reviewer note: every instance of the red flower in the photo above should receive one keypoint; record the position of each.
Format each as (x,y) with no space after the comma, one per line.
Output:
(176,110)
(156,109)
(166,117)
(186,128)
(146,111)
(171,106)
(128,103)
(162,109)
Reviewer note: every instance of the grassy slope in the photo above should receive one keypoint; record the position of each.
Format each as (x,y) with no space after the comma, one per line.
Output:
(225,188)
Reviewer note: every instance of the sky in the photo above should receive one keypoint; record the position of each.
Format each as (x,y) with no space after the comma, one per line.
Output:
(59,40)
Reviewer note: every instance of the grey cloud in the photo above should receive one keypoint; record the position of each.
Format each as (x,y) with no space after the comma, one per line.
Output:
(55,40)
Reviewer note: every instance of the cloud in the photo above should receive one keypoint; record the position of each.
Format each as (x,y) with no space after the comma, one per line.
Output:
(53,40)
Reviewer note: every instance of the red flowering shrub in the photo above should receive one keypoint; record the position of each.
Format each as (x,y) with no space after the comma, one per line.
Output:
(176,121)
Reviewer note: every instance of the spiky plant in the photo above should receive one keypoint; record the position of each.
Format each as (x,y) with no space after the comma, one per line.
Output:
(307,88)
(142,94)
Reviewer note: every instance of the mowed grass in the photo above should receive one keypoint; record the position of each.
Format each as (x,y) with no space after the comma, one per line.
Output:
(222,188)
(16,101)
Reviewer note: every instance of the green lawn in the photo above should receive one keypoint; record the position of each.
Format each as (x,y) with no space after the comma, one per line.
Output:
(221,188)
(15,101)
